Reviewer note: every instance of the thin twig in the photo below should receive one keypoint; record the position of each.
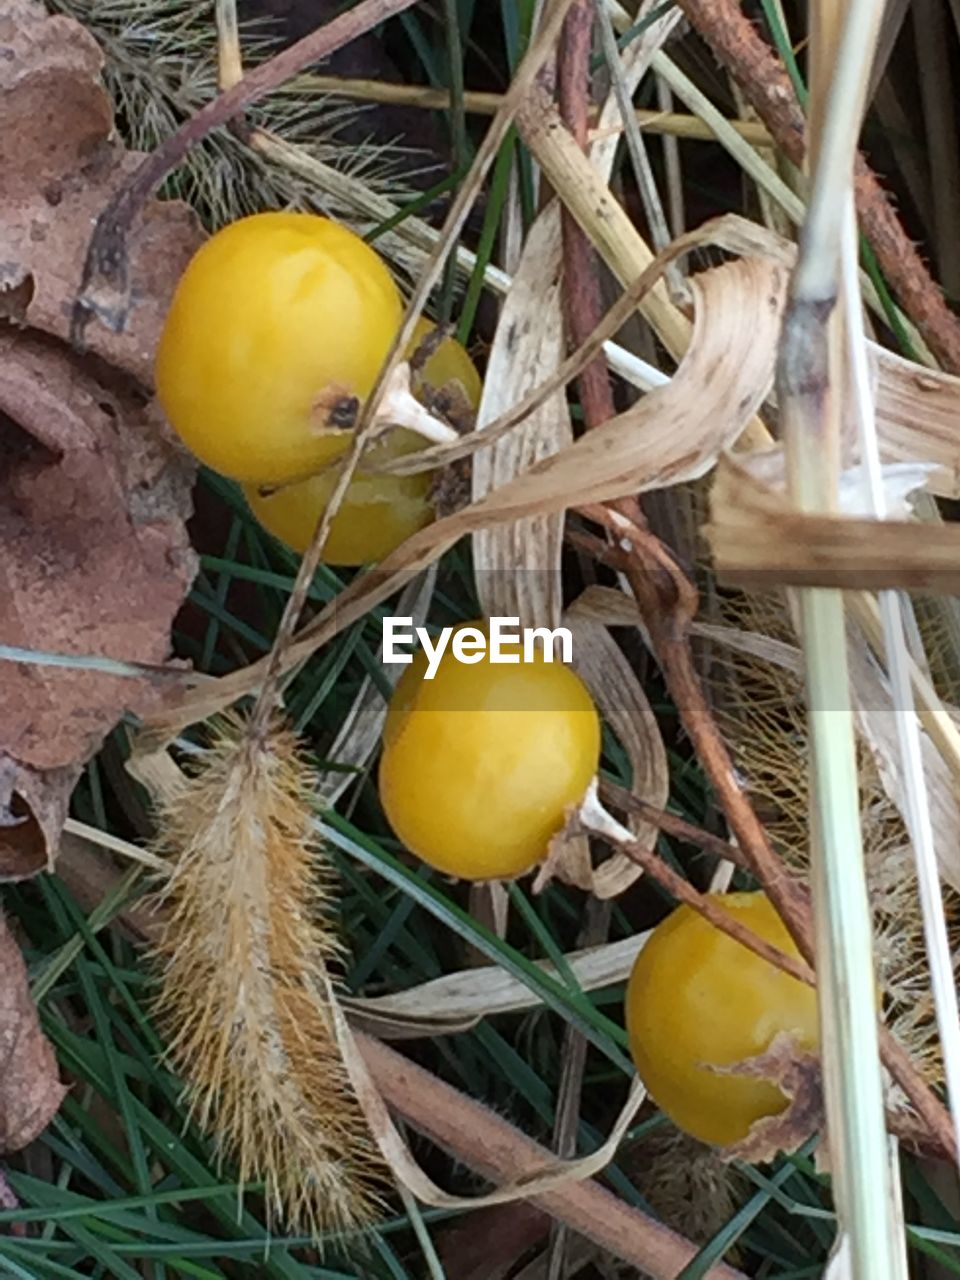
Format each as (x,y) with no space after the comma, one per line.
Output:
(581,281)
(680,888)
(583,308)
(594,930)
(493,1148)
(669,823)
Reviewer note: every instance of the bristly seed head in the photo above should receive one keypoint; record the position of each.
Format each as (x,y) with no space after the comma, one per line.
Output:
(245,993)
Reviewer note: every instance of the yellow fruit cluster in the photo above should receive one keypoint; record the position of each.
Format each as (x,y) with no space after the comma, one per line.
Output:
(277,317)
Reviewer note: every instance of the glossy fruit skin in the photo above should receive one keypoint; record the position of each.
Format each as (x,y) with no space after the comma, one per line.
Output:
(697,997)
(480,763)
(274,313)
(450,363)
(378,512)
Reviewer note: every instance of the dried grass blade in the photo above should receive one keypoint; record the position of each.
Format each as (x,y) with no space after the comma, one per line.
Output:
(809,401)
(625,707)
(517,564)
(894,610)
(463,998)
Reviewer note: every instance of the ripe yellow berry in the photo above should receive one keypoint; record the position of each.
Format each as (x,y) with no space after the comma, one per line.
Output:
(698,999)
(276,317)
(480,763)
(378,512)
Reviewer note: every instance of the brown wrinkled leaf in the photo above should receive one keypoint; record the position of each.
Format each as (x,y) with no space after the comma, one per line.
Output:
(59,164)
(94,558)
(797,1073)
(30,1089)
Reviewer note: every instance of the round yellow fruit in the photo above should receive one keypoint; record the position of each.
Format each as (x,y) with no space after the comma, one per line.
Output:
(698,999)
(378,511)
(480,763)
(276,317)
(449,364)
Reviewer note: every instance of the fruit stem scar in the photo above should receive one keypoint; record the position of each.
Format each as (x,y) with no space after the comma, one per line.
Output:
(337,410)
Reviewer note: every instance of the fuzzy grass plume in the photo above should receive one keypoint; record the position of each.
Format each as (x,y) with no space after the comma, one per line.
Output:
(245,993)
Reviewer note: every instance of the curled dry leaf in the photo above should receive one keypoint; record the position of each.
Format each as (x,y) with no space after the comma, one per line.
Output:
(457,1001)
(517,563)
(30,1089)
(545,1176)
(674,434)
(94,559)
(797,1073)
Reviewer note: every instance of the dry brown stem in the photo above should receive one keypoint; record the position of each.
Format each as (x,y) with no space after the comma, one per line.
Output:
(105,288)
(681,889)
(764,80)
(622,799)
(495,1149)
(583,304)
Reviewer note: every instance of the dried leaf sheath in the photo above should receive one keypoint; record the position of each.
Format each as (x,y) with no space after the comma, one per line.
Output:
(245,992)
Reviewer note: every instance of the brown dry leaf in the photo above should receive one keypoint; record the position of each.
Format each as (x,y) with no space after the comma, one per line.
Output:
(758,542)
(30,1089)
(94,558)
(517,563)
(674,434)
(60,162)
(797,1074)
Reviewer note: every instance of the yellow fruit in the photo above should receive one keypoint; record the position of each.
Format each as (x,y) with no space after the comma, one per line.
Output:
(480,763)
(450,363)
(378,512)
(696,999)
(276,317)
